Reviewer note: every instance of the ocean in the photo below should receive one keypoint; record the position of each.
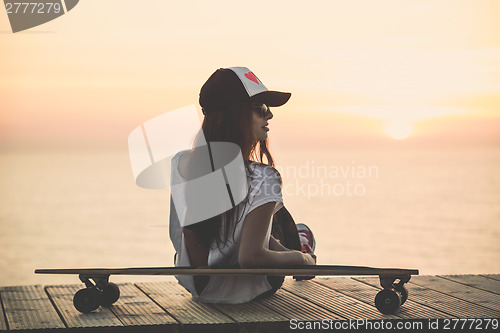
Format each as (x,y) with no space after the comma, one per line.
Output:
(436,210)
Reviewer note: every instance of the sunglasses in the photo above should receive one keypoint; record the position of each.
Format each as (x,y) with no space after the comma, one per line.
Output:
(263,109)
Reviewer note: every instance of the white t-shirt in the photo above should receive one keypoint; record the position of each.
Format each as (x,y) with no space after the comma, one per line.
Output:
(264,186)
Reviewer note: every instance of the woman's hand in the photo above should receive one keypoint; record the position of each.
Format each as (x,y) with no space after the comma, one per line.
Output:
(309,259)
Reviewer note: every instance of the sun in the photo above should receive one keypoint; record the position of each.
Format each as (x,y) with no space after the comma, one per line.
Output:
(398,130)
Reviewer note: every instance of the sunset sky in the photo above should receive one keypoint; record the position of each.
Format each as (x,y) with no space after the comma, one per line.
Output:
(409,86)
(355,69)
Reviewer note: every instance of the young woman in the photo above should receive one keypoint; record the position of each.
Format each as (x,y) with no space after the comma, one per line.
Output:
(257,232)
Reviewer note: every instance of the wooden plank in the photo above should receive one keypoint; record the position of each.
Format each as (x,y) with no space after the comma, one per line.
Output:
(345,307)
(62,296)
(476,281)
(492,276)
(29,308)
(192,315)
(442,302)
(3,322)
(366,293)
(134,308)
(458,290)
(294,307)
(254,317)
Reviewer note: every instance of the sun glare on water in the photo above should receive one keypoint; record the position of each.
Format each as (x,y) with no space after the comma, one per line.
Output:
(398,130)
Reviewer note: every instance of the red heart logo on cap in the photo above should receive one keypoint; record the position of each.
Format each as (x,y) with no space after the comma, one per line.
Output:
(252,77)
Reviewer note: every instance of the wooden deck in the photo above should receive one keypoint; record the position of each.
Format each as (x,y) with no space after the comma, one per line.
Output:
(167,307)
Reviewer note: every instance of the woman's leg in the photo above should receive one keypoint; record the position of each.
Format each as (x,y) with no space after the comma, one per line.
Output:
(287,232)
(284,229)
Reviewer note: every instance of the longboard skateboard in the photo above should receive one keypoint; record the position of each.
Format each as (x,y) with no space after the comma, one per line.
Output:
(99,291)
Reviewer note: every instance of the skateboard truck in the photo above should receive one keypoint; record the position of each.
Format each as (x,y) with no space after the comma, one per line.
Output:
(100,281)
(100,292)
(389,299)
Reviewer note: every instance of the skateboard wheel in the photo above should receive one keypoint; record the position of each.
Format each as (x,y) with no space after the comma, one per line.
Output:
(388,301)
(87,300)
(401,288)
(110,294)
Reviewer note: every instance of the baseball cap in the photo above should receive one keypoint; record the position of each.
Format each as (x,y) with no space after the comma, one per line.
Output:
(231,85)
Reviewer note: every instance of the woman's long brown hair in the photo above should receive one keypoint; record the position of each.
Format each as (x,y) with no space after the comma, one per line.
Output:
(231,124)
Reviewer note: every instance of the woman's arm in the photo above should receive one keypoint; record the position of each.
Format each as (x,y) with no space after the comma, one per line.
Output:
(276,245)
(252,252)
(198,254)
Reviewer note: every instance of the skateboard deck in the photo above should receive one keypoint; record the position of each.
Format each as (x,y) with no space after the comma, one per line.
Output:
(99,291)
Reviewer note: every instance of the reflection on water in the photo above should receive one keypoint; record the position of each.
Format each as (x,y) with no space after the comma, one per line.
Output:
(438,211)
